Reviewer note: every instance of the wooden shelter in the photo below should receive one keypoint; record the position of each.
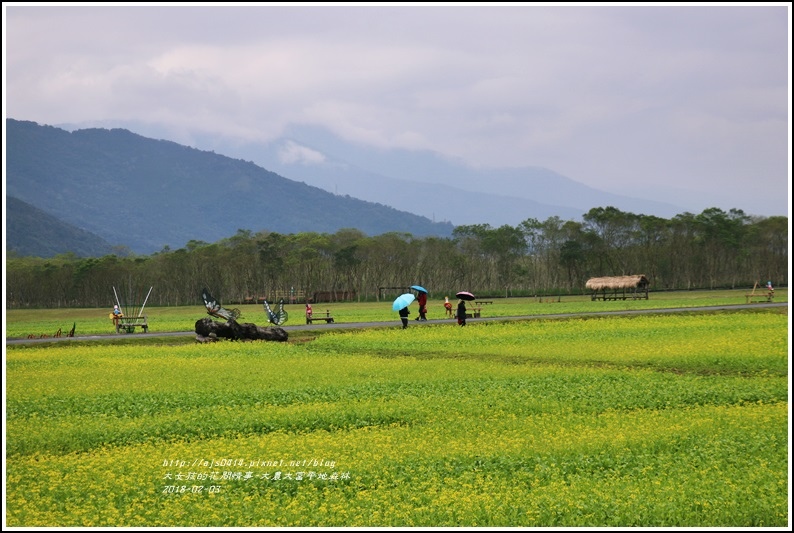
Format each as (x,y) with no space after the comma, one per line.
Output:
(618,287)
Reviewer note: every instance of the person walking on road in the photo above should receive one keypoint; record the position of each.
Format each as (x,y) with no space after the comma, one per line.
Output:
(461,313)
(404,316)
(422,299)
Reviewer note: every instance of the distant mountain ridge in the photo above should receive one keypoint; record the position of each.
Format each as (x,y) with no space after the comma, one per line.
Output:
(147,194)
(419,181)
(470,195)
(32,232)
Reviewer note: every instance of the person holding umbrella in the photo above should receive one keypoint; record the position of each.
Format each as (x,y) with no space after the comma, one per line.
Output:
(463,298)
(401,306)
(422,299)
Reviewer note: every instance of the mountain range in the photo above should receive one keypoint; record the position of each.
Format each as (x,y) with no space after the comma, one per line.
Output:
(430,184)
(147,194)
(418,181)
(142,192)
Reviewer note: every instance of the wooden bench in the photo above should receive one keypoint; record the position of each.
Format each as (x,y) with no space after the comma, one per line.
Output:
(128,324)
(328,318)
(476,309)
(476,312)
(754,298)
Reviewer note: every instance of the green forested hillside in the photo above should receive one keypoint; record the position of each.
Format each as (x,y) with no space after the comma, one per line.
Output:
(149,194)
(32,232)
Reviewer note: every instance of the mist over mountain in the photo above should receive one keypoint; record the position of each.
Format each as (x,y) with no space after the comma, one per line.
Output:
(466,195)
(147,194)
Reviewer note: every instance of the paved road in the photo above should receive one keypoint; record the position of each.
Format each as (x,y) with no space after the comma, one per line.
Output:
(413,323)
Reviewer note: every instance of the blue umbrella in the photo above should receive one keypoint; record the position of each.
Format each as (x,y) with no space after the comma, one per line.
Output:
(403,300)
(418,288)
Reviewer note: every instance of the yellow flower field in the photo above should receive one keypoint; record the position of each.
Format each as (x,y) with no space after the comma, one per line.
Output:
(652,421)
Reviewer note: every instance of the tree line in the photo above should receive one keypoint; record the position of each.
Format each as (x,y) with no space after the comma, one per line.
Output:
(710,250)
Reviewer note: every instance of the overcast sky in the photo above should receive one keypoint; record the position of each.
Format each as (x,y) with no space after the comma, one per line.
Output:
(693,97)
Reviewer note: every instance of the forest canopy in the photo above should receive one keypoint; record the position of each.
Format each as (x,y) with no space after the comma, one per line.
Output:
(713,249)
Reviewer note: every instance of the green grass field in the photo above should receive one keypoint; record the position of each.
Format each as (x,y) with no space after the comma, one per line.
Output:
(662,420)
(38,322)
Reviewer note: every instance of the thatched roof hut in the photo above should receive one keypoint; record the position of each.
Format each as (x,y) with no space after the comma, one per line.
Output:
(617,282)
(607,288)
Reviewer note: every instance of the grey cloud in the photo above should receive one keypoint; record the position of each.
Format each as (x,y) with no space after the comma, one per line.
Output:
(694,96)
